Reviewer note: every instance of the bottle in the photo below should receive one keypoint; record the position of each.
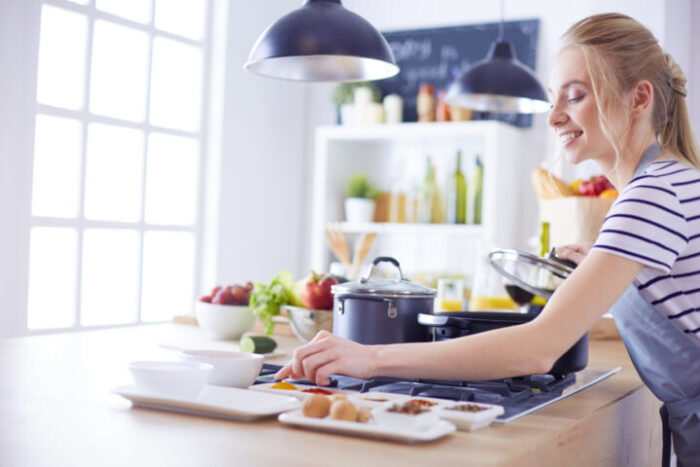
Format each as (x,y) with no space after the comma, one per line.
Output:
(476,188)
(457,195)
(412,197)
(544,239)
(425,103)
(393,108)
(442,109)
(427,194)
(397,200)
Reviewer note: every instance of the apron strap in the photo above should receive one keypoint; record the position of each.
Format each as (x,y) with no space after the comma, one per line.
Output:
(666,437)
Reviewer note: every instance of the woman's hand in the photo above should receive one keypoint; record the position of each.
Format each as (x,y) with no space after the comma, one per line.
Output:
(575,252)
(327,354)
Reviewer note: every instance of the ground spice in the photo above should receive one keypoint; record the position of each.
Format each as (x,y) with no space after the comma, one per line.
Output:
(283,385)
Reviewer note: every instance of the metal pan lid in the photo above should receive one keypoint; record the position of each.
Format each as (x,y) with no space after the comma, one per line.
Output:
(400,287)
(536,274)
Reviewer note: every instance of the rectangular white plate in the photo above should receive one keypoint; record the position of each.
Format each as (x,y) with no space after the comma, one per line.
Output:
(215,401)
(368,430)
(298,393)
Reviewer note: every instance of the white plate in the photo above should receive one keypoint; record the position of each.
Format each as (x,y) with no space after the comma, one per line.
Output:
(215,401)
(368,430)
(298,393)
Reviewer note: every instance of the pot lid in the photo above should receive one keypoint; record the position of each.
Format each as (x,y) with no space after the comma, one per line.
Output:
(400,287)
(536,274)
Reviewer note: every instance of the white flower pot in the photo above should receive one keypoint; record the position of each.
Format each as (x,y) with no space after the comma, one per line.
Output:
(359,210)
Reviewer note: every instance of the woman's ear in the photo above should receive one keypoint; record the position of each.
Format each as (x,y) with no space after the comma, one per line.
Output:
(642,98)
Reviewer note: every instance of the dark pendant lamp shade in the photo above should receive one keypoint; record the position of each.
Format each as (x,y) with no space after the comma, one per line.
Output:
(322,41)
(498,83)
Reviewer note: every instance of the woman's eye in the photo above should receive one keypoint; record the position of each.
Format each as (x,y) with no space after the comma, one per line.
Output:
(573,100)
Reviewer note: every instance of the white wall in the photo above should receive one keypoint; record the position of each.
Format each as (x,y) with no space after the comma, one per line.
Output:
(263,168)
(268,140)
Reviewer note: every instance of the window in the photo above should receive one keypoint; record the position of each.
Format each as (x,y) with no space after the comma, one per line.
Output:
(118,161)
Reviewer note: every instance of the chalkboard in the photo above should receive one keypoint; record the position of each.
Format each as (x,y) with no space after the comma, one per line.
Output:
(438,55)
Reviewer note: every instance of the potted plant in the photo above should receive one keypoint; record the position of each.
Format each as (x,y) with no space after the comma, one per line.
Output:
(359,206)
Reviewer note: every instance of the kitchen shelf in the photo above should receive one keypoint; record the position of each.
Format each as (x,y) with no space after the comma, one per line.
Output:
(410,228)
(397,152)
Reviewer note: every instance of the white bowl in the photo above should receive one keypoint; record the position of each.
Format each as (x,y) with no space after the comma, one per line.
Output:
(236,369)
(471,420)
(224,321)
(178,379)
(429,417)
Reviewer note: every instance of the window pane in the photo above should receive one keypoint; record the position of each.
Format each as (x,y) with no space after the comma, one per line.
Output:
(119,71)
(56,180)
(176,85)
(171,180)
(62,45)
(52,277)
(135,10)
(168,272)
(109,289)
(113,173)
(182,17)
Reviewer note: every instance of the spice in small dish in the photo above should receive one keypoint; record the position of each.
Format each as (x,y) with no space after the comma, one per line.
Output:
(422,403)
(325,392)
(283,385)
(467,408)
(408,409)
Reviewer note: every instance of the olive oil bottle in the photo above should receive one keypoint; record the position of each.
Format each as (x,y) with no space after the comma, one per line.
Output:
(457,195)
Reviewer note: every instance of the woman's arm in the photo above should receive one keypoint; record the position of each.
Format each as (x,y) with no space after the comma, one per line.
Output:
(529,348)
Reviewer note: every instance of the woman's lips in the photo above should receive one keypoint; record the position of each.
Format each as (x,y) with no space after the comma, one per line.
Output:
(569,137)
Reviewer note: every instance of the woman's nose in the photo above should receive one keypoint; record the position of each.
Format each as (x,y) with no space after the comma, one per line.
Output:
(556,116)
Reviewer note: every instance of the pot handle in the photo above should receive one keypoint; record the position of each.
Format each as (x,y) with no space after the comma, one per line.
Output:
(442,320)
(391,311)
(382,259)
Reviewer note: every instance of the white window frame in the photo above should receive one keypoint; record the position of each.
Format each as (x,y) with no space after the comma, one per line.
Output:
(20,24)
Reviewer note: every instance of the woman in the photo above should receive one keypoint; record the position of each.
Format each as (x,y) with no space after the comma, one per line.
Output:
(619,100)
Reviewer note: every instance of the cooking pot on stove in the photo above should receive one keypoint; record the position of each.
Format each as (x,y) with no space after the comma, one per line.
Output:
(531,273)
(382,311)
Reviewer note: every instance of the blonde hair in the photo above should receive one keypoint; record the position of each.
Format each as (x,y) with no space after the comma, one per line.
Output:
(619,52)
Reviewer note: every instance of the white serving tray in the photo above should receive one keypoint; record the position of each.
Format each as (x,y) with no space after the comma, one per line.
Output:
(215,401)
(368,430)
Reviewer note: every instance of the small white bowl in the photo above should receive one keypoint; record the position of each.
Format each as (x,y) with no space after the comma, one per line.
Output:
(471,420)
(224,321)
(236,369)
(178,379)
(429,417)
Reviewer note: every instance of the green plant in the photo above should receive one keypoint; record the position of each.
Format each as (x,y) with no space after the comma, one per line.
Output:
(344,92)
(359,186)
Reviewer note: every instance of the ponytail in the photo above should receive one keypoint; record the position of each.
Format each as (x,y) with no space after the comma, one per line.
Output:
(676,134)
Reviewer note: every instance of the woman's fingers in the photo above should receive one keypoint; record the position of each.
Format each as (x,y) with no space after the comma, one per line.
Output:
(574,253)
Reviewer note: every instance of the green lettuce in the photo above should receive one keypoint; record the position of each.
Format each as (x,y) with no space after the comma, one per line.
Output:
(266,300)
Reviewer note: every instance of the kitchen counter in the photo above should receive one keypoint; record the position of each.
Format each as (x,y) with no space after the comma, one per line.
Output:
(56,409)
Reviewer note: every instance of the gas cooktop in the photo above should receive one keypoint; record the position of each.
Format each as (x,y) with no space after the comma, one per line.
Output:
(518,396)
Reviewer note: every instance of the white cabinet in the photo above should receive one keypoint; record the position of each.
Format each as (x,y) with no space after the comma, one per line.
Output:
(387,152)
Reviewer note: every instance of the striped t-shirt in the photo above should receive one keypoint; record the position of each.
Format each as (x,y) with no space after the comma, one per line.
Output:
(656,222)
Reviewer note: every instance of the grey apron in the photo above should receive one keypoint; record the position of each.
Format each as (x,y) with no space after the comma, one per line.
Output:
(667,360)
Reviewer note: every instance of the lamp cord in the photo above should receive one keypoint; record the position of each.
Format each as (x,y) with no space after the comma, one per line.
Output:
(503,19)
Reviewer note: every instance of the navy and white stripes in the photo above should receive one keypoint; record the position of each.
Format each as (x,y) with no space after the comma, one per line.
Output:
(656,222)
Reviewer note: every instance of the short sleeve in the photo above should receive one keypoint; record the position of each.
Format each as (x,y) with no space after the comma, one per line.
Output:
(646,224)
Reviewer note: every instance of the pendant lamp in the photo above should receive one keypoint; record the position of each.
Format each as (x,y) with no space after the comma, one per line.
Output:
(322,41)
(498,83)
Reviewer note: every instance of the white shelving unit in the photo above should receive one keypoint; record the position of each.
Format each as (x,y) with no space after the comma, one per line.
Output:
(385,152)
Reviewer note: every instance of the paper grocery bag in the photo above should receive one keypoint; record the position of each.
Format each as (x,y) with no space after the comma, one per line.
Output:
(574,219)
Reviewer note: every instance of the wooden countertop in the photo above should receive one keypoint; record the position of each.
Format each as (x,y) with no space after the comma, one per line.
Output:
(56,409)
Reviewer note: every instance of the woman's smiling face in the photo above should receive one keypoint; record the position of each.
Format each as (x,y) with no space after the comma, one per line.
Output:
(574,114)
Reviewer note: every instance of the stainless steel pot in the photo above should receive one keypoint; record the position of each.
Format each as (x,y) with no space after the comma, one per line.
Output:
(383,311)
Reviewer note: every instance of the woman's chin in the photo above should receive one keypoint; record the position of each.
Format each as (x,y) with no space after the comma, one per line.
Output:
(574,157)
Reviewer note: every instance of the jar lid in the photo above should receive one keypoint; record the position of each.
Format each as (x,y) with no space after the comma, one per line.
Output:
(384,287)
(536,274)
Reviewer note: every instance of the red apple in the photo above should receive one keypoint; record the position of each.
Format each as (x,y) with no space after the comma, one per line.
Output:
(206,299)
(223,297)
(316,292)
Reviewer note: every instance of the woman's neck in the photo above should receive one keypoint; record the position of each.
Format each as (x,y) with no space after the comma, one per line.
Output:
(621,173)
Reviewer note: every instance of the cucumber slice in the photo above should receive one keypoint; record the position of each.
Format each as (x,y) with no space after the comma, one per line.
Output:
(257,344)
